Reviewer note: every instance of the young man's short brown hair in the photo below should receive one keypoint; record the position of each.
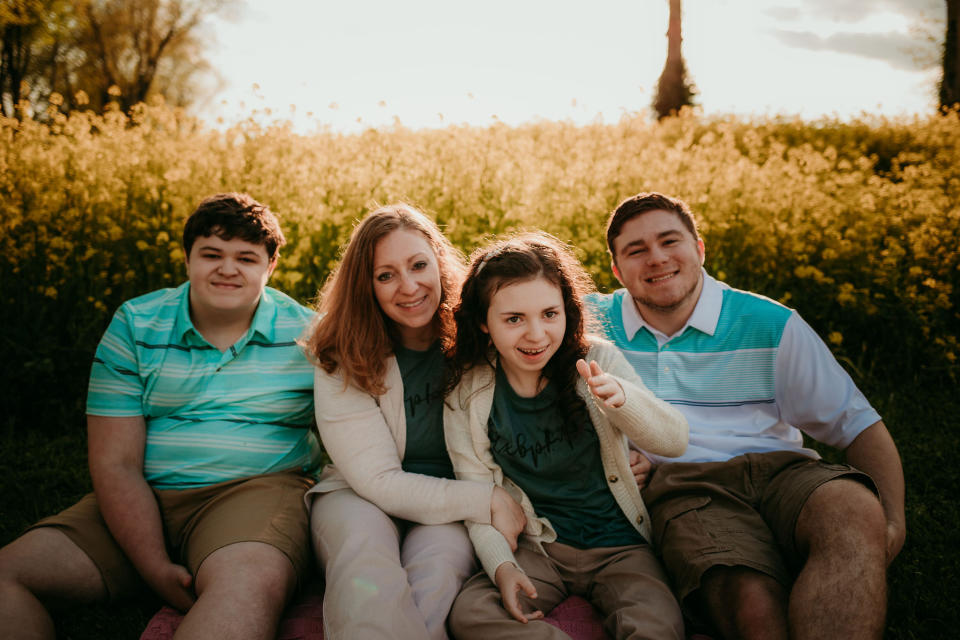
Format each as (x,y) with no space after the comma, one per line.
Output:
(642,203)
(234,215)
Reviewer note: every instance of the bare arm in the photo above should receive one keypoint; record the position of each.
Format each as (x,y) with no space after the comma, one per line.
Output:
(115,449)
(875,453)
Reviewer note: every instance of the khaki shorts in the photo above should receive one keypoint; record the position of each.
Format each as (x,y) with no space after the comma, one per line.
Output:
(740,512)
(268,508)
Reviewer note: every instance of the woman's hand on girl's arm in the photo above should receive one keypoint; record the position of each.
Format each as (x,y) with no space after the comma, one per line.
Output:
(605,388)
(507,516)
(511,580)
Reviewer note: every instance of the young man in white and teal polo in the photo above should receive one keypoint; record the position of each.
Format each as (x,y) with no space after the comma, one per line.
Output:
(199,416)
(758,534)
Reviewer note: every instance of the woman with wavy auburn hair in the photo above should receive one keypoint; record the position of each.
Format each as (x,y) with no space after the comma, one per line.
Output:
(386,514)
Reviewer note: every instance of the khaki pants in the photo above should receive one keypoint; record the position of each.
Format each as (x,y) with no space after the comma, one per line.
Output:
(627,584)
(386,578)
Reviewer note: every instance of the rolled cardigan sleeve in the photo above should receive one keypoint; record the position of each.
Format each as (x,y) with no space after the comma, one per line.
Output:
(491,547)
(652,424)
(363,449)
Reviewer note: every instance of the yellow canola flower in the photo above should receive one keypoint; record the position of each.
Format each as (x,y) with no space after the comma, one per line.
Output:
(793,210)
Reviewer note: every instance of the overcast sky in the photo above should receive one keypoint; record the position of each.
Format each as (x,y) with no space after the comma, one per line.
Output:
(353,64)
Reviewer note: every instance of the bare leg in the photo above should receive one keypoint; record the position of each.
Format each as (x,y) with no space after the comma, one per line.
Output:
(744,603)
(242,589)
(438,559)
(841,591)
(41,568)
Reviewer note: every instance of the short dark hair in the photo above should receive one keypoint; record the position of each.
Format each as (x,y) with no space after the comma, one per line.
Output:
(642,203)
(234,215)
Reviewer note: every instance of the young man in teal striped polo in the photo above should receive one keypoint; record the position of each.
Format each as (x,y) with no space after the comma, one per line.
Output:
(757,533)
(199,413)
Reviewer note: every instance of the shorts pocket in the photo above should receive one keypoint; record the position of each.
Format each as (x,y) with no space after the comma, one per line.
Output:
(679,514)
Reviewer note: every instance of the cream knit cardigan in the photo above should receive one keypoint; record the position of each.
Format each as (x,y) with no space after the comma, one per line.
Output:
(652,424)
(366,436)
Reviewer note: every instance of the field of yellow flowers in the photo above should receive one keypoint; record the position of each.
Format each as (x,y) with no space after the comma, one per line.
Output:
(855,224)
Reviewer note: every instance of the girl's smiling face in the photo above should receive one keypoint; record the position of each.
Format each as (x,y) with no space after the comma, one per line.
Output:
(526,322)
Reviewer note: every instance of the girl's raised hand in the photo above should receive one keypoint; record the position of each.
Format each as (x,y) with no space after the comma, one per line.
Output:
(605,388)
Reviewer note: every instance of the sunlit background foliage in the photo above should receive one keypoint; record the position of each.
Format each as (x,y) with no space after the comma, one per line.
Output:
(855,224)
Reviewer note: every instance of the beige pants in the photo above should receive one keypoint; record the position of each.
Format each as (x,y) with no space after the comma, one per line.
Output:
(386,578)
(627,585)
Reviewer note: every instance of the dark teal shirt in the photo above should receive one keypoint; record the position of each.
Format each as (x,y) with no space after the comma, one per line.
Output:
(422,375)
(561,474)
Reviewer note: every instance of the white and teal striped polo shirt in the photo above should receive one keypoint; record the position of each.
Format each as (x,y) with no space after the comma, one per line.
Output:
(210,416)
(747,372)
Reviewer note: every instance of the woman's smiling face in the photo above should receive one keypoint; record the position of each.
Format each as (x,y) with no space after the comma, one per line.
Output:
(406,283)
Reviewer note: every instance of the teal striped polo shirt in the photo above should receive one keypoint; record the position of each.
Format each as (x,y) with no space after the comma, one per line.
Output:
(747,372)
(211,416)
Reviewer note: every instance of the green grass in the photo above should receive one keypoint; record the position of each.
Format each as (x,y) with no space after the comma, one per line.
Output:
(43,469)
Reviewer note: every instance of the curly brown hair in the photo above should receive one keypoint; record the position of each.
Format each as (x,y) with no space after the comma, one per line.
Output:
(522,257)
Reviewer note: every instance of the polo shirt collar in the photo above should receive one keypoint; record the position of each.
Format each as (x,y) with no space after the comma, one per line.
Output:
(264,318)
(183,323)
(262,323)
(704,318)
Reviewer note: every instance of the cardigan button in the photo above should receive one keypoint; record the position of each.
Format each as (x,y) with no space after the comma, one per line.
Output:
(613,479)
(640,519)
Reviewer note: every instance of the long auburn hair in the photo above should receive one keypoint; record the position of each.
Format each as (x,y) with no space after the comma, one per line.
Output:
(351,332)
(523,257)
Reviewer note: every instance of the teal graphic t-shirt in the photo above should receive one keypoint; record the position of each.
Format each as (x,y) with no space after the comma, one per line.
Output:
(422,374)
(562,474)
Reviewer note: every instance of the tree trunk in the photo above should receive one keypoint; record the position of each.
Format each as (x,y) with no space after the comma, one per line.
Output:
(674,35)
(950,83)
(674,89)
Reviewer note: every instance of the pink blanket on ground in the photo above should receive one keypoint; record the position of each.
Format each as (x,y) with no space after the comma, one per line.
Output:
(304,620)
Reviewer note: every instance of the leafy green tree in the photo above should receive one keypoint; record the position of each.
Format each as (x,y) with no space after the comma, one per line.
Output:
(674,88)
(89,53)
(33,42)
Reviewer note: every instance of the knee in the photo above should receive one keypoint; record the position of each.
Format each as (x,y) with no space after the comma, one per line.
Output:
(842,517)
(477,603)
(249,572)
(757,609)
(343,523)
(745,603)
(8,573)
(442,548)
